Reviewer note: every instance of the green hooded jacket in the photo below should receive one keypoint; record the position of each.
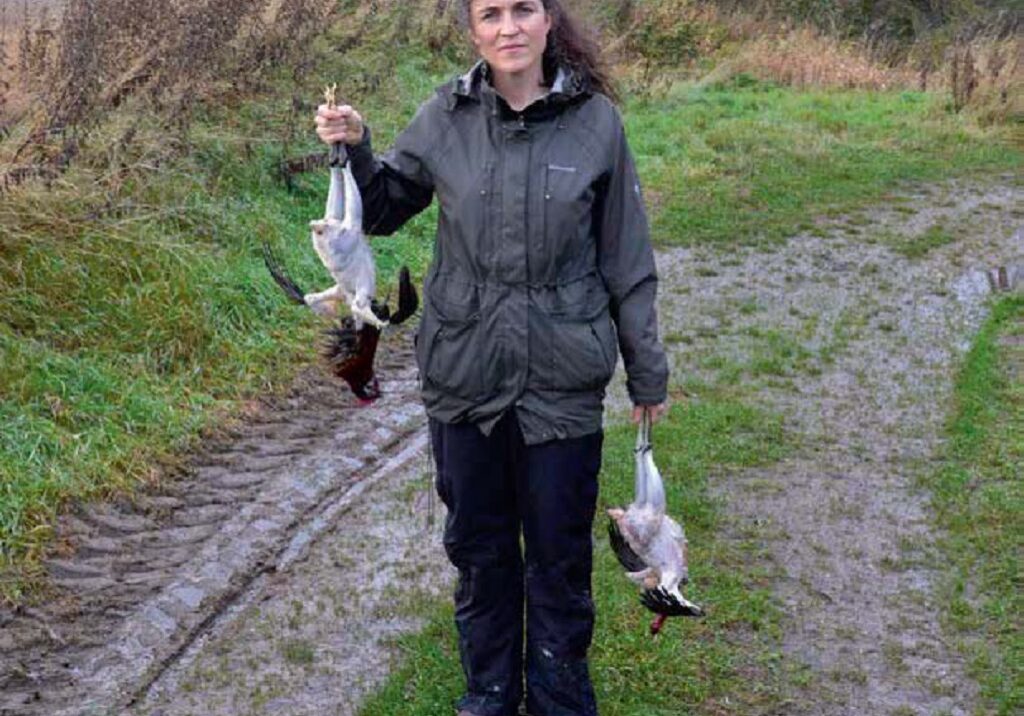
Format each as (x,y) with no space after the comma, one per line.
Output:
(542,269)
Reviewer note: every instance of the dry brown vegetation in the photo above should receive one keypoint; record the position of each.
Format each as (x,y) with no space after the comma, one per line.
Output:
(985,75)
(65,64)
(69,71)
(803,57)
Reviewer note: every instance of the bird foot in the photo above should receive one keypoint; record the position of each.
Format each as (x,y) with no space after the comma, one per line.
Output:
(366,315)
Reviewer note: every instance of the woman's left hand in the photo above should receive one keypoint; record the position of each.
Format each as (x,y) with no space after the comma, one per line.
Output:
(656,412)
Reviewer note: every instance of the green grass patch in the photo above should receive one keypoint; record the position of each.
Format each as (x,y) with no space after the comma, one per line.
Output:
(136,311)
(299,651)
(695,664)
(979,497)
(751,163)
(917,247)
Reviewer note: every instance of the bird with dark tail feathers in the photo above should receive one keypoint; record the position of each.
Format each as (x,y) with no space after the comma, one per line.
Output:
(350,347)
(649,544)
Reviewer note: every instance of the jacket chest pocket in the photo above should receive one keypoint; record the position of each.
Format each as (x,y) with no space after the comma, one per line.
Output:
(468,200)
(567,198)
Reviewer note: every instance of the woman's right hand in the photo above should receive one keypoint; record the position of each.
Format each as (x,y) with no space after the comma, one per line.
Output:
(339,124)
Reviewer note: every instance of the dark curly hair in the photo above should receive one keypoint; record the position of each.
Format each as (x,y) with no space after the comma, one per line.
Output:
(570,46)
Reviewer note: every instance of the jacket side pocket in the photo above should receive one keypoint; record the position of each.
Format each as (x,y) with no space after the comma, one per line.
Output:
(452,354)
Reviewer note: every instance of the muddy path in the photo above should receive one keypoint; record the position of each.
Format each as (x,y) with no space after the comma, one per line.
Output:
(143,582)
(272,575)
(854,335)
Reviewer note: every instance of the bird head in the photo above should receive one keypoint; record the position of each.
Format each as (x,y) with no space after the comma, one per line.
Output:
(367,393)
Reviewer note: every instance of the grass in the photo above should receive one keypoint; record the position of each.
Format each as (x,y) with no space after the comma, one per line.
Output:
(979,498)
(136,310)
(695,664)
(135,316)
(750,162)
(919,246)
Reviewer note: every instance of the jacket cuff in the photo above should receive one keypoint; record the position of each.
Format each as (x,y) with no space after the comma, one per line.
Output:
(362,159)
(651,391)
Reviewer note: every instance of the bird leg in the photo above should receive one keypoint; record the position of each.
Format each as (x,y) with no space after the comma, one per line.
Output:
(324,303)
(361,311)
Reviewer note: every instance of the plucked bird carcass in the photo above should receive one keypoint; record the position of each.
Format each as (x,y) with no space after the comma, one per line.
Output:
(339,241)
(649,544)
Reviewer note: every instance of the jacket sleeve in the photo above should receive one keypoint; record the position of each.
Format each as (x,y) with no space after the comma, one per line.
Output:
(626,263)
(397,185)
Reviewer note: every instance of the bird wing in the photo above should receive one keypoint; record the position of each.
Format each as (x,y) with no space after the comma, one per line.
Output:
(659,601)
(628,558)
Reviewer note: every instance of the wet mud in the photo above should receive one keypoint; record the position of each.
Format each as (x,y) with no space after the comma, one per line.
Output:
(272,576)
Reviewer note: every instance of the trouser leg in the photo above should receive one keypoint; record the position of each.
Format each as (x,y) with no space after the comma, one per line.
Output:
(476,481)
(559,498)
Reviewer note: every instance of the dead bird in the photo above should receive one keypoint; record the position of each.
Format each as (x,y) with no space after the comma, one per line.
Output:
(339,241)
(649,544)
(343,249)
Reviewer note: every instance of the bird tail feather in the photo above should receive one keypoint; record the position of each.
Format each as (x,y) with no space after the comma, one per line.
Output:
(291,289)
(408,301)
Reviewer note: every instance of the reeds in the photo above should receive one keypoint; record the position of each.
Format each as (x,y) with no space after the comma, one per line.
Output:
(986,77)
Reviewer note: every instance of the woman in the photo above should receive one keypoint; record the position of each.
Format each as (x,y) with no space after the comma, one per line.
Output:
(542,271)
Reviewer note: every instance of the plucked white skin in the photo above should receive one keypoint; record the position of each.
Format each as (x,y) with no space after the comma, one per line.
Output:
(343,249)
(655,537)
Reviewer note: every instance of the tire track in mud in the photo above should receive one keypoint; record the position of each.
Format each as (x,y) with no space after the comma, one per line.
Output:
(140,580)
(854,336)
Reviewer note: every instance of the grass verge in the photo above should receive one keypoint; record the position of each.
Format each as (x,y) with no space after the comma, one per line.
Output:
(750,162)
(979,496)
(136,311)
(694,664)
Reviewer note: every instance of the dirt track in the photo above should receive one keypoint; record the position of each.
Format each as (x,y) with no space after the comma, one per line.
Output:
(238,588)
(147,579)
(857,345)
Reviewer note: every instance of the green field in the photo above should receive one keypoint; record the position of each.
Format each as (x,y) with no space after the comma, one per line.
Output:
(137,310)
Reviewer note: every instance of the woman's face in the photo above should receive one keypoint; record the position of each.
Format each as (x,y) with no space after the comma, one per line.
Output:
(510,34)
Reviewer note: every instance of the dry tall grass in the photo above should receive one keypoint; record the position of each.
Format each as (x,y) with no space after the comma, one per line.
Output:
(986,76)
(803,57)
(71,70)
(981,71)
(13,24)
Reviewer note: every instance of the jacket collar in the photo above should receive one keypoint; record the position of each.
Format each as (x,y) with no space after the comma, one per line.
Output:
(475,85)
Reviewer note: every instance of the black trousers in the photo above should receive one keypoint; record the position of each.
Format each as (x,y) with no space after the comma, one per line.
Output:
(495,488)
